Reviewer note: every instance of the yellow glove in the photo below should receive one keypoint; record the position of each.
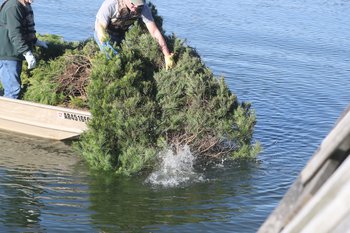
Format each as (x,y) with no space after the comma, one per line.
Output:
(169,61)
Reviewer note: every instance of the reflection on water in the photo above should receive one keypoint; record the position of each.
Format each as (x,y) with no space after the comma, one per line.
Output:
(44,186)
(126,204)
(38,180)
(15,148)
(17,192)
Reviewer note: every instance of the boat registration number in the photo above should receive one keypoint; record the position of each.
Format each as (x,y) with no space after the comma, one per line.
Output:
(73,116)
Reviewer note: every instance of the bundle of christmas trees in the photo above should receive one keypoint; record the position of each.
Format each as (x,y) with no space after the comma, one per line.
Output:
(138,108)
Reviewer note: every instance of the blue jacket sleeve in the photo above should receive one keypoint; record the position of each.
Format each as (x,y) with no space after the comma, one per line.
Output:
(15,18)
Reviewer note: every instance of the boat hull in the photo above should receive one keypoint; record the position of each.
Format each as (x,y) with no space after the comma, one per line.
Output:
(42,120)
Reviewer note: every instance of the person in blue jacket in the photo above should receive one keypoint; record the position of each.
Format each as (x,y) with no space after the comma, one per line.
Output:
(116,16)
(17,38)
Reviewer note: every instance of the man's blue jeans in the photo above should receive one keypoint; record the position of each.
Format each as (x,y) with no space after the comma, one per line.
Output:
(10,76)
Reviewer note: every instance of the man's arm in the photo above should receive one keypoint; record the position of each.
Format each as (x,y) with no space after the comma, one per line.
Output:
(103,18)
(101,32)
(14,19)
(155,33)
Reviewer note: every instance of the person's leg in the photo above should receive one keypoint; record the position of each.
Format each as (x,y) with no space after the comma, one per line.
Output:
(10,72)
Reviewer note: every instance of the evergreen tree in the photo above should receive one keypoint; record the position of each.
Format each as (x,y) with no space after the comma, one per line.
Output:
(138,108)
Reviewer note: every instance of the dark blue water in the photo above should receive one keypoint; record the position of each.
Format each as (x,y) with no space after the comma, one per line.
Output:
(290,59)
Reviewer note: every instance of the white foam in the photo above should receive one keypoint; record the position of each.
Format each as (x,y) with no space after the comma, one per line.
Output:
(175,169)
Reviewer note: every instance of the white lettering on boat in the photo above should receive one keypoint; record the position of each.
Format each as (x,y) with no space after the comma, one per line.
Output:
(73,116)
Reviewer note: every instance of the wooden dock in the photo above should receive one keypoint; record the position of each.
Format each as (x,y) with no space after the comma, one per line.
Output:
(319,199)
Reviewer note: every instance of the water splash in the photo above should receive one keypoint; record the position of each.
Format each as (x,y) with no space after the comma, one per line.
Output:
(175,169)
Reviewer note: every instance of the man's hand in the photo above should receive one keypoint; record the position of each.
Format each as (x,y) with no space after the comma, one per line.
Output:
(169,61)
(30,59)
(108,48)
(40,43)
